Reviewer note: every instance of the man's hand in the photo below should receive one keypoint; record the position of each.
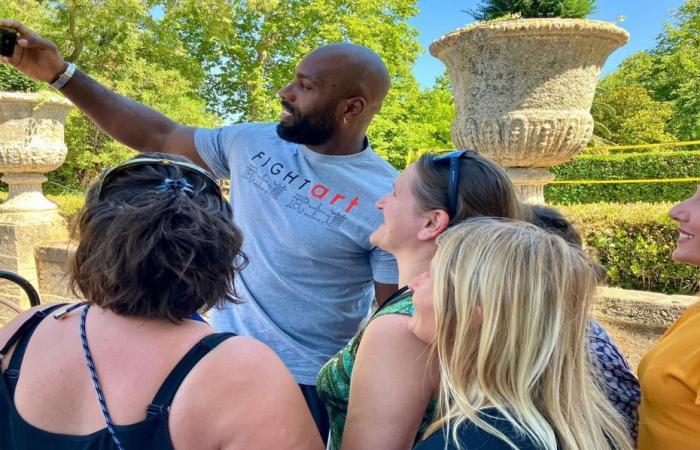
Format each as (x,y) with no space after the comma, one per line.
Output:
(36,57)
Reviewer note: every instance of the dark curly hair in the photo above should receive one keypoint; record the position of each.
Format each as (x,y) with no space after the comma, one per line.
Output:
(157,254)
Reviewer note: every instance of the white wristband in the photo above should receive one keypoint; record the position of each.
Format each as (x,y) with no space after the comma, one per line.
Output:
(64,77)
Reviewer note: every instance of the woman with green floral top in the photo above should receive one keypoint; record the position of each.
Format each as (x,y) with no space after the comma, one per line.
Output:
(389,402)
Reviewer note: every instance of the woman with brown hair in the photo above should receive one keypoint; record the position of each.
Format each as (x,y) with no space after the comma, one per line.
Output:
(157,245)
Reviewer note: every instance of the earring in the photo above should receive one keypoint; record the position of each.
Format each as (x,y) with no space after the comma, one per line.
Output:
(345,120)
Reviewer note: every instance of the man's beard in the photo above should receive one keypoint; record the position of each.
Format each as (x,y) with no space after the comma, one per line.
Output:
(315,128)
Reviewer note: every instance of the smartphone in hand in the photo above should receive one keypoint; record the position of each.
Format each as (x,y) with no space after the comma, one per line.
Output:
(8,40)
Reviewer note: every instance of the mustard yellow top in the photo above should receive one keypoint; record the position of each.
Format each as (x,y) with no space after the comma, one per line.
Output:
(669,415)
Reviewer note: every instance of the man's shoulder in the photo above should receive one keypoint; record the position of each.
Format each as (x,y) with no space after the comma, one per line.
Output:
(232,133)
(381,163)
(380,169)
(251,129)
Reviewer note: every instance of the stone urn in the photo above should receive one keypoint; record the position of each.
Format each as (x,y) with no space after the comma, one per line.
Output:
(31,144)
(523,91)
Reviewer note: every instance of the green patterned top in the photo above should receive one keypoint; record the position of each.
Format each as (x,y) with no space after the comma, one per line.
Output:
(333,383)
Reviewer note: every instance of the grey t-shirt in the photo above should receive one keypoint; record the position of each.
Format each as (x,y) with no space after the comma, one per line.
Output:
(306,220)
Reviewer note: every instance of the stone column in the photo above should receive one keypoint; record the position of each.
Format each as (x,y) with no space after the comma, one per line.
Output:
(31,144)
(530,183)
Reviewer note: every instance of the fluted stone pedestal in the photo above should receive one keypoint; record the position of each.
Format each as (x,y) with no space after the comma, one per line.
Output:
(530,183)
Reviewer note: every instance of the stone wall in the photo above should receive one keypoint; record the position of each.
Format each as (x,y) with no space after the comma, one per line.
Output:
(51,262)
(52,267)
(636,319)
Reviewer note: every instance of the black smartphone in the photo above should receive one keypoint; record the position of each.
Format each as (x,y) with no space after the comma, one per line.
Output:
(8,40)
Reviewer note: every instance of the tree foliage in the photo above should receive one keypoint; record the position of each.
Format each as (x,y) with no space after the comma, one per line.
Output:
(494,9)
(115,42)
(427,121)
(248,49)
(11,80)
(670,76)
(203,62)
(676,73)
(627,114)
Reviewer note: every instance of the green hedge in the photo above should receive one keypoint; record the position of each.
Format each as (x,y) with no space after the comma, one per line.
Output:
(634,242)
(625,166)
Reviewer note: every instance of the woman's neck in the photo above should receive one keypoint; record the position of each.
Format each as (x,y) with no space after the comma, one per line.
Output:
(414,263)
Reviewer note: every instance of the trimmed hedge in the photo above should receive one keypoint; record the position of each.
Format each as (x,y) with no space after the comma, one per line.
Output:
(625,166)
(635,242)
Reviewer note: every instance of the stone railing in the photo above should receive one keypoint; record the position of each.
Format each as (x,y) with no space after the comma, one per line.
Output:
(637,319)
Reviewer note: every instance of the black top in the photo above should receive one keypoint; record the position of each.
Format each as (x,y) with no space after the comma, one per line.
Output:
(151,433)
(472,437)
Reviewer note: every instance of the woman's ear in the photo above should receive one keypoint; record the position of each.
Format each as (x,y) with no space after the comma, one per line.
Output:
(436,221)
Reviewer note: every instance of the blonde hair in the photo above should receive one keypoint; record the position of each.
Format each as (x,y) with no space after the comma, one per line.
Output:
(512,304)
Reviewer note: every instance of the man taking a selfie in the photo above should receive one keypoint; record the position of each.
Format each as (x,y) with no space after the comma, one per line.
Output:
(303,191)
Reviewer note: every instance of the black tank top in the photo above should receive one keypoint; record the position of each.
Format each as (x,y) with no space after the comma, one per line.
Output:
(151,433)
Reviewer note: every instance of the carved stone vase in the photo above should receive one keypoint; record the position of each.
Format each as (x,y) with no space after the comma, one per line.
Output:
(523,91)
(31,144)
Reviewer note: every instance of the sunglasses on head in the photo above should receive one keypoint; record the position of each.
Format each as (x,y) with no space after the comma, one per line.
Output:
(453,157)
(186,167)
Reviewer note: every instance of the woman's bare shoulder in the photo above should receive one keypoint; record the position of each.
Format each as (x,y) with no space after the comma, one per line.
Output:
(238,391)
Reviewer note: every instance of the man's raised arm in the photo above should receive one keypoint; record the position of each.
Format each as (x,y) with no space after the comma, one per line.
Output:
(125,120)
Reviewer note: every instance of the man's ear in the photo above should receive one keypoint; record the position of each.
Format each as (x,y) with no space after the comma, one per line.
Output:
(436,221)
(354,107)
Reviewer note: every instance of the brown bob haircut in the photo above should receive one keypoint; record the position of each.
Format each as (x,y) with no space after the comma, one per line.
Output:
(484,188)
(153,253)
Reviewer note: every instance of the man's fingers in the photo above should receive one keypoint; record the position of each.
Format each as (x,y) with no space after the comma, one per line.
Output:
(27,38)
(34,41)
(21,28)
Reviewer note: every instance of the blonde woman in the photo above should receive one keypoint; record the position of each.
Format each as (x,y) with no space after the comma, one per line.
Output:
(506,312)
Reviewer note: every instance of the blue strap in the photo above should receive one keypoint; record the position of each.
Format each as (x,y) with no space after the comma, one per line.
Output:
(196,316)
(96,381)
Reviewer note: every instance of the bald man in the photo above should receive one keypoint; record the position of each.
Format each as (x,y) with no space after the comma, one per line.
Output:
(303,192)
